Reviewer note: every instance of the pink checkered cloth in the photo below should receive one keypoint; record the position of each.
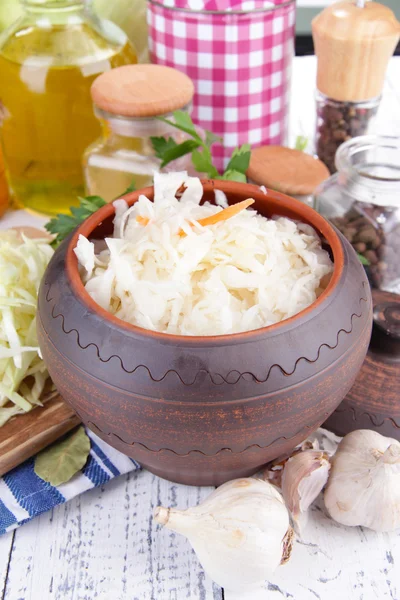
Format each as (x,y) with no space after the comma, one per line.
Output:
(240,63)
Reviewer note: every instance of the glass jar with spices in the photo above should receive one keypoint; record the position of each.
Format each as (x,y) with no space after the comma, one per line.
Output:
(353,43)
(127,101)
(363,200)
(48,61)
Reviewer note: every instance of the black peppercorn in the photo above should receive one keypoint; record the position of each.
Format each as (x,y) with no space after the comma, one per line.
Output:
(339,122)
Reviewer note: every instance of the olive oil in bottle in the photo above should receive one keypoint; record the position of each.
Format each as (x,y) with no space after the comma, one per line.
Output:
(3,186)
(48,61)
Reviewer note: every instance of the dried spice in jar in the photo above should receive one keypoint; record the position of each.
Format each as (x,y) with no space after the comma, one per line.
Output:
(374,233)
(363,201)
(353,43)
(340,121)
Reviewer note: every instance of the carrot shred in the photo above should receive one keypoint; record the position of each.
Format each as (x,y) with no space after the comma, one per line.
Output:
(227,213)
(223,215)
(142,220)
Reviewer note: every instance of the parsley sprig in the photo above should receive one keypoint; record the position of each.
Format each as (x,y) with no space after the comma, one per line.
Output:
(167,150)
(62,225)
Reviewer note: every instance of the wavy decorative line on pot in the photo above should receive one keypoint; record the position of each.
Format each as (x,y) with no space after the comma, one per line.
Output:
(95,428)
(223,379)
(373,418)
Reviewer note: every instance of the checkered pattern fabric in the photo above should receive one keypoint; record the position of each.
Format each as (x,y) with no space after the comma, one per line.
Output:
(240,65)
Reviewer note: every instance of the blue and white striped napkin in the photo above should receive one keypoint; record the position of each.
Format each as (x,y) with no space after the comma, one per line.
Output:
(24,496)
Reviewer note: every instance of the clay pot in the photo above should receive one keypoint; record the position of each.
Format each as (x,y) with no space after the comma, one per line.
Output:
(203,410)
(374,400)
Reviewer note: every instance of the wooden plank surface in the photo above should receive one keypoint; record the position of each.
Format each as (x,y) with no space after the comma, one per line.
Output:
(6,545)
(104,545)
(336,562)
(25,435)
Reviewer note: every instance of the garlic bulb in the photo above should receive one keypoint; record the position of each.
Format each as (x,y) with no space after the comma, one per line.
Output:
(241,532)
(364,484)
(304,476)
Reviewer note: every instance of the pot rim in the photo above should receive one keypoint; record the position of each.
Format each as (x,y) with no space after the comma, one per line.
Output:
(305,213)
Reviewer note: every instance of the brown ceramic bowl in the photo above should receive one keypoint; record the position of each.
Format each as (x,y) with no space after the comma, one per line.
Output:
(203,410)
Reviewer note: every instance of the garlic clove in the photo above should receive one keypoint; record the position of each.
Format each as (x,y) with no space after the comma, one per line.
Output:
(240,533)
(304,477)
(274,470)
(364,483)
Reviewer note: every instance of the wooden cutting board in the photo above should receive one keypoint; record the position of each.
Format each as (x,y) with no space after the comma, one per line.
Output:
(25,435)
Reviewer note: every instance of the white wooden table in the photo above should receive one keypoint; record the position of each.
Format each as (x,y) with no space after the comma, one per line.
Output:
(105,546)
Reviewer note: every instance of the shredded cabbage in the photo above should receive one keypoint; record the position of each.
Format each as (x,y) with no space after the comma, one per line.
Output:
(164,271)
(23,373)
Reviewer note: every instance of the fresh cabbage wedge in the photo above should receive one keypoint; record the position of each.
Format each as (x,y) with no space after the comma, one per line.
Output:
(23,374)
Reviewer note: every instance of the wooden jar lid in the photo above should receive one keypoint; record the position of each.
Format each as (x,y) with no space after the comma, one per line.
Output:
(286,170)
(142,90)
(353,45)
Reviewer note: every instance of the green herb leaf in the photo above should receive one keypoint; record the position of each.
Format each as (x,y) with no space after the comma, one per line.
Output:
(211,138)
(233,175)
(167,150)
(162,145)
(178,151)
(240,159)
(91,203)
(202,162)
(131,188)
(301,143)
(184,122)
(62,225)
(61,461)
(364,261)
(184,125)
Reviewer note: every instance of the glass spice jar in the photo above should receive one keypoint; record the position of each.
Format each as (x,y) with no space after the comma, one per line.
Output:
(363,201)
(353,43)
(338,122)
(127,101)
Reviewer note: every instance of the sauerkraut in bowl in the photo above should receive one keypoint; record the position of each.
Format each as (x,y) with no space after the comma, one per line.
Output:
(176,266)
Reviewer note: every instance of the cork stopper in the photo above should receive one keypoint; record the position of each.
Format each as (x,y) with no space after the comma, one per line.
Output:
(286,170)
(142,90)
(353,43)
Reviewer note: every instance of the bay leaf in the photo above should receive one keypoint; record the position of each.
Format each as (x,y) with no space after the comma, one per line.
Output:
(60,461)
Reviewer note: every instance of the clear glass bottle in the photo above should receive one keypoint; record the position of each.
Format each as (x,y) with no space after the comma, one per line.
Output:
(124,154)
(3,186)
(131,16)
(127,102)
(363,200)
(338,122)
(48,61)
(10,10)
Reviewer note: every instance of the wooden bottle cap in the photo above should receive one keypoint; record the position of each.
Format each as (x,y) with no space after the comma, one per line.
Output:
(142,90)
(353,45)
(286,170)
